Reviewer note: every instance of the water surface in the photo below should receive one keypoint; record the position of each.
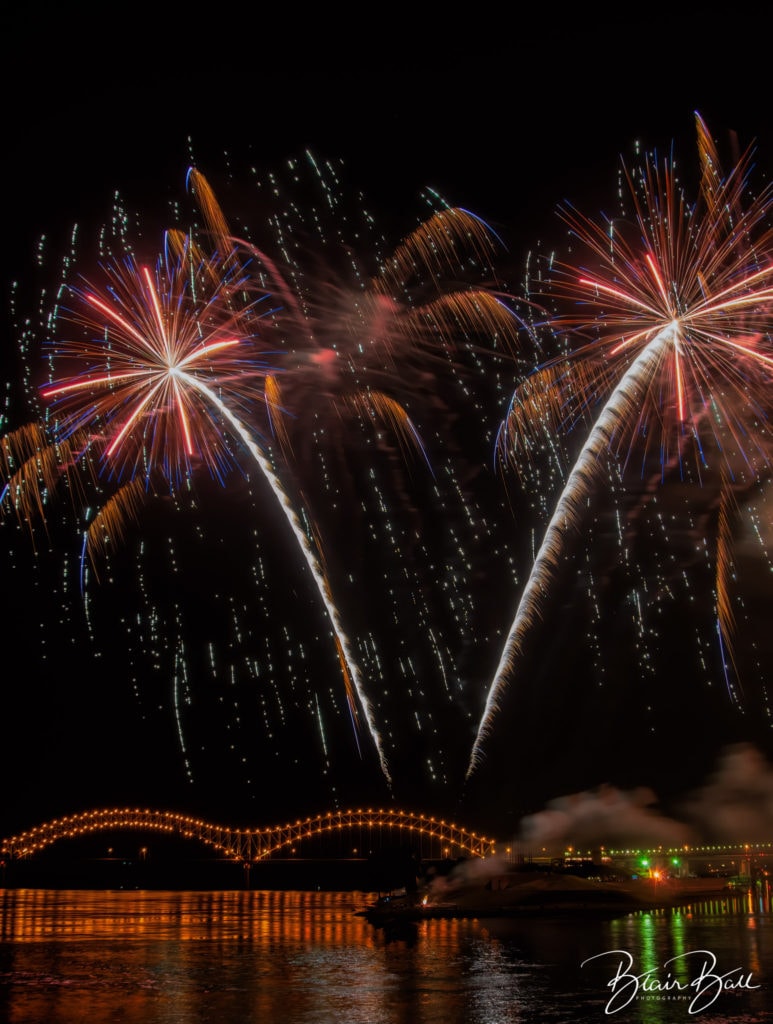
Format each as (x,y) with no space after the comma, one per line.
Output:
(147,957)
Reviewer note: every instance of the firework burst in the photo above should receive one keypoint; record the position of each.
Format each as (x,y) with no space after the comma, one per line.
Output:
(154,344)
(680,359)
(165,357)
(364,342)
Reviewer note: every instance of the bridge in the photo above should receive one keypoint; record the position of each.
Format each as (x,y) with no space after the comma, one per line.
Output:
(435,837)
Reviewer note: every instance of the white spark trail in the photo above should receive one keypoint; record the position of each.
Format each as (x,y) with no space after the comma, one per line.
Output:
(626,396)
(311,558)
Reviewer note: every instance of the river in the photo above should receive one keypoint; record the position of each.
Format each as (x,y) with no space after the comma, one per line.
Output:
(242,956)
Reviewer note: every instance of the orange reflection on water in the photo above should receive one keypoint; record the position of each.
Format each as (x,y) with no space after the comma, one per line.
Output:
(39,914)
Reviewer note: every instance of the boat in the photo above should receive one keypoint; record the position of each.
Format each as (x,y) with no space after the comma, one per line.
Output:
(538,893)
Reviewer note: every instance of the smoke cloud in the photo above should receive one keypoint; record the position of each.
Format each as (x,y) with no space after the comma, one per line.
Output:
(734,806)
(606,816)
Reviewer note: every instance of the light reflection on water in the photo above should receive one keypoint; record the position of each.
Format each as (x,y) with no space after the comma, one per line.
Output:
(145,957)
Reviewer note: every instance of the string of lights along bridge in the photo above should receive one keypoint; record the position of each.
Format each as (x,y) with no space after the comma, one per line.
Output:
(436,837)
(254,844)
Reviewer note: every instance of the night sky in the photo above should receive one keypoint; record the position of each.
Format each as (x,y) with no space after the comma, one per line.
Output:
(198,672)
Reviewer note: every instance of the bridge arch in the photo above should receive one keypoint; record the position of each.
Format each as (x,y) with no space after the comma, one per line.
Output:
(251,845)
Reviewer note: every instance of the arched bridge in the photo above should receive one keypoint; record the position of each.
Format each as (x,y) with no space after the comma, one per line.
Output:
(249,845)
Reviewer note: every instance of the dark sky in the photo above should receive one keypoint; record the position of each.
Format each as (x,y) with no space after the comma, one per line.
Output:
(102,702)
